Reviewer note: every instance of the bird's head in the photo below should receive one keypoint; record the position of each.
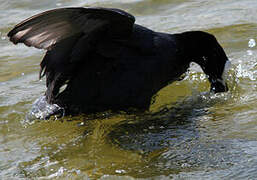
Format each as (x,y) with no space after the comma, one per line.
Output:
(204,49)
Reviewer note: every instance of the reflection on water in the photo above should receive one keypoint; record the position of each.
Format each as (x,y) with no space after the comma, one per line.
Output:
(188,133)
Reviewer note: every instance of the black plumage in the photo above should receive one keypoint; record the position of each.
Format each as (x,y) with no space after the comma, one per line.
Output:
(108,62)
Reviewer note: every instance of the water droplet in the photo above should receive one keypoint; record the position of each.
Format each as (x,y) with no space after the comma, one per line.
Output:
(184,165)
(251,43)
(151,127)
(249,52)
(81,124)
(120,171)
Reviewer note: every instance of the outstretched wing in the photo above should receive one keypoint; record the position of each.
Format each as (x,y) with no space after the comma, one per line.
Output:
(49,28)
(68,35)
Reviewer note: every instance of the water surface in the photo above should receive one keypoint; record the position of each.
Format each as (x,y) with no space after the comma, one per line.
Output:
(188,133)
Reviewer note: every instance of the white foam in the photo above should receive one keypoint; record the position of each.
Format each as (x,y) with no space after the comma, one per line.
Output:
(226,69)
(251,43)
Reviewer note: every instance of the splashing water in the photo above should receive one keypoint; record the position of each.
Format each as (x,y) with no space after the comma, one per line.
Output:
(251,43)
(43,110)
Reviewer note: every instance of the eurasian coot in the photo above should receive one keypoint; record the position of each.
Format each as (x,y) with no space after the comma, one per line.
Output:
(107,62)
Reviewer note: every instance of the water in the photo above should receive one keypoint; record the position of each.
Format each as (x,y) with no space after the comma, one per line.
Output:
(188,134)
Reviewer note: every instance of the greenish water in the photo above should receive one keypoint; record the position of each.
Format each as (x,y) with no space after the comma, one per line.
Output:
(187,135)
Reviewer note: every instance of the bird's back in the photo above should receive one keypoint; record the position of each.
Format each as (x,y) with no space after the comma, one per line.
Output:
(123,73)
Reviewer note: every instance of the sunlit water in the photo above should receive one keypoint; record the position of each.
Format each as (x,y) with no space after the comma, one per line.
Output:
(188,133)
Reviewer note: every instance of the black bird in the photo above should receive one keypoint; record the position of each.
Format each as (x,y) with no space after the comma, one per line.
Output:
(109,63)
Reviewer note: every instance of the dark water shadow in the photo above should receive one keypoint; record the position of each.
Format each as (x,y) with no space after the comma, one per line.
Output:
(152,131)
(174,139)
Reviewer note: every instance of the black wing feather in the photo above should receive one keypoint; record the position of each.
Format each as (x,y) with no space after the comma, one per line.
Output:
(48,28)
(63,32)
